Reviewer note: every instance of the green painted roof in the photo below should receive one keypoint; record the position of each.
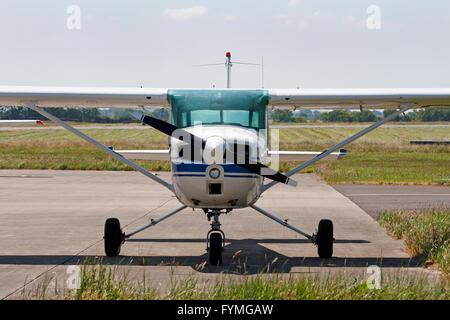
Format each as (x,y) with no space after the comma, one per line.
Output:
(189,100)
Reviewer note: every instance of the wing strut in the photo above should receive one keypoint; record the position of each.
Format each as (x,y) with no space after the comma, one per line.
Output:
(100,146)
(340,145)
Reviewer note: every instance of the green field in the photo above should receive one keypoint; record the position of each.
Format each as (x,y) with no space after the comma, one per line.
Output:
(383,156)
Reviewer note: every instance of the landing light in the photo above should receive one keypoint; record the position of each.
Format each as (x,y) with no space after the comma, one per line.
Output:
(214,173)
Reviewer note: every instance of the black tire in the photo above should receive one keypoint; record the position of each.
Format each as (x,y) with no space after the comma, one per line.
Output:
(113,237)
(325,239)
(215,249)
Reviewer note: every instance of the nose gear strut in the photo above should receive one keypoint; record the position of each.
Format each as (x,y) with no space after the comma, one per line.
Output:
(215,239)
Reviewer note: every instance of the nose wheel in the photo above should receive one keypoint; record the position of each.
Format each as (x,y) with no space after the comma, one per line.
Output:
(215,240)
(215,247)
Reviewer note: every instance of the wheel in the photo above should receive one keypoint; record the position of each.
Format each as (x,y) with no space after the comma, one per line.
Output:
(113,237)
(324,239)
(215,249)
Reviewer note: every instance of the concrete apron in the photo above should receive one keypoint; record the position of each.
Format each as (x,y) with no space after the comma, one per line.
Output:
(53,219)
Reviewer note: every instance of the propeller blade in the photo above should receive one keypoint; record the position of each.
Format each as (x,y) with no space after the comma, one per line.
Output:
(169,129)
(160,125)
(256,168)
(265,171)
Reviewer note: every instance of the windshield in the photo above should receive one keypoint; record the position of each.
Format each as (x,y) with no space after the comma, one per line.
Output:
(248,119)
(216,107)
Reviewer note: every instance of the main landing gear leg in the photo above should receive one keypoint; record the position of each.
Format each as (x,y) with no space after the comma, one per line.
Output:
(114,237)
(323,239)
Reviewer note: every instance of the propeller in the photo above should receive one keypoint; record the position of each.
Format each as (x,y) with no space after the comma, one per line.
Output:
(256,168)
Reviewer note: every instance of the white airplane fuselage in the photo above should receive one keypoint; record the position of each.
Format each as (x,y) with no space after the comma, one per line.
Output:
(235,187)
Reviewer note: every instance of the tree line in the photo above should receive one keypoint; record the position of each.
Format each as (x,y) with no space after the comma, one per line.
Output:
(79,114)
(426,115)
(277,115)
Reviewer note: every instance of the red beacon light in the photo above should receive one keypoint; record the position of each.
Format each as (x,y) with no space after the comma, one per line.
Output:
(228,54)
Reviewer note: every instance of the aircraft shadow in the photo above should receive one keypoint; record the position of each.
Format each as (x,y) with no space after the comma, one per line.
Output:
(245,256)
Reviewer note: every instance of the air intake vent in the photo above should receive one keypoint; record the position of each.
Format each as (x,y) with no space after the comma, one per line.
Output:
(215,188)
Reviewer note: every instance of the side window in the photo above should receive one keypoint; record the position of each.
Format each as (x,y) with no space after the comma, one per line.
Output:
(183,119)
(255,119)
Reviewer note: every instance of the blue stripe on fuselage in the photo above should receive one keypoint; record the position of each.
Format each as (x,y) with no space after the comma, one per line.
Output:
(201,168)
(204,175)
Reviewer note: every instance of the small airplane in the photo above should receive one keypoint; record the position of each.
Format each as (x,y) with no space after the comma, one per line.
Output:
(219,143)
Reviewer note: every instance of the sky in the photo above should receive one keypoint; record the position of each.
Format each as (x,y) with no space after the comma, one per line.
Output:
(304,43)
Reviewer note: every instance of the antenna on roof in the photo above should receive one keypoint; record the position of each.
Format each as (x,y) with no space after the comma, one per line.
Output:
(229,64)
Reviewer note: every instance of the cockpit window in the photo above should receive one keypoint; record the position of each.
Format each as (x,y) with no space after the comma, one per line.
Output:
(248,119)
(197,117)
(240,117)
(216,107)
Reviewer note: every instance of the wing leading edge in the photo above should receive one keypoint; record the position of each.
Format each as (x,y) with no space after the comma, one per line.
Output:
(356,98)
(298,98)
(72,97)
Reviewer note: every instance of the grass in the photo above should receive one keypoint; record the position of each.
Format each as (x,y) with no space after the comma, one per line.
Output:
(421,167)
(383,156)
(60,150)
(107,283)
(426,234)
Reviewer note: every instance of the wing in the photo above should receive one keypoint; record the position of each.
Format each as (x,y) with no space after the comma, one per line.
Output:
(356,98)
(82,97)
(299,98)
